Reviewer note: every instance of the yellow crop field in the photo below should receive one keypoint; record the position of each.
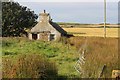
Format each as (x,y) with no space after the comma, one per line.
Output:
(97,32)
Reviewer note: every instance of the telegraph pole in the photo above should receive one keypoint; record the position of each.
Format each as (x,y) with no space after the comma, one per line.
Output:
(104,18)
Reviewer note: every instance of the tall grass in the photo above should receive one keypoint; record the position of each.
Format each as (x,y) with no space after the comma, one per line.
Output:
(99,51)
(61,53)
(28,66)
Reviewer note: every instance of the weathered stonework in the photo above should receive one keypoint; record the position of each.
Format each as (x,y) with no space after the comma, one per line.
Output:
(46,30)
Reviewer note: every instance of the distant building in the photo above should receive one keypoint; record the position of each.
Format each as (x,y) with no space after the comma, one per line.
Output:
(46,30)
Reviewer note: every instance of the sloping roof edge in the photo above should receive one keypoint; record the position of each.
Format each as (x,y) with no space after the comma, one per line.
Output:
(58,28)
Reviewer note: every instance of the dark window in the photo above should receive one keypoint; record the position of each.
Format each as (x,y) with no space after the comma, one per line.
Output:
(34,36)
(52,37)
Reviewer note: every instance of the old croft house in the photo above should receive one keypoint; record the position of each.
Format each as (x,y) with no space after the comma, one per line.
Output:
(46,30)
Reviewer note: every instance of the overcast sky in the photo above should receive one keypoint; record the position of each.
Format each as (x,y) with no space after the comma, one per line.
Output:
(66,0)
(89,11)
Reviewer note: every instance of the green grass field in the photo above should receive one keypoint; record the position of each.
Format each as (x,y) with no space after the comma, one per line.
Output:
(99,51)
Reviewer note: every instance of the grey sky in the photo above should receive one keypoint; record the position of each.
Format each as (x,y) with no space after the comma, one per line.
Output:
(81,12)
(66,0)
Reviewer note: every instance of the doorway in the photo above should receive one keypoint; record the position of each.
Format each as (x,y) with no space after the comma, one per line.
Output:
(34,36)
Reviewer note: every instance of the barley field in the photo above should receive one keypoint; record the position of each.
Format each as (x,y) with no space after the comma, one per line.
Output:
(97,32)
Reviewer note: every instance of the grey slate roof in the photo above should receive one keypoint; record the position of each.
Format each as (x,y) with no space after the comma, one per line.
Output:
(58,28)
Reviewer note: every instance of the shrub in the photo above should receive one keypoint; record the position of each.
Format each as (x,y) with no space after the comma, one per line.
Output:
(28,66)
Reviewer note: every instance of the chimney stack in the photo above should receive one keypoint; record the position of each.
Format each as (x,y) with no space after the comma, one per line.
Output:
(44,11)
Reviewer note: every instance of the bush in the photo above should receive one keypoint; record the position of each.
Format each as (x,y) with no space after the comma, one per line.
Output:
(28,66)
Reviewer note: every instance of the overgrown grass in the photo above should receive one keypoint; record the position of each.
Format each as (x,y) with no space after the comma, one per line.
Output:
(63,54)
(99,51)
(13,46)
(28,66)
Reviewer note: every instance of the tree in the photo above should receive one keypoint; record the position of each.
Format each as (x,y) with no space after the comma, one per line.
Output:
(16,18)
(6,0)
(0,18)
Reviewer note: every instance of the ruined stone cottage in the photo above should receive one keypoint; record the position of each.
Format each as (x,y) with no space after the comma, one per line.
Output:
(46,30)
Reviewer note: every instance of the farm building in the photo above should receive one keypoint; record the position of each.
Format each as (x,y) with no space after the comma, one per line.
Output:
(46,29)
